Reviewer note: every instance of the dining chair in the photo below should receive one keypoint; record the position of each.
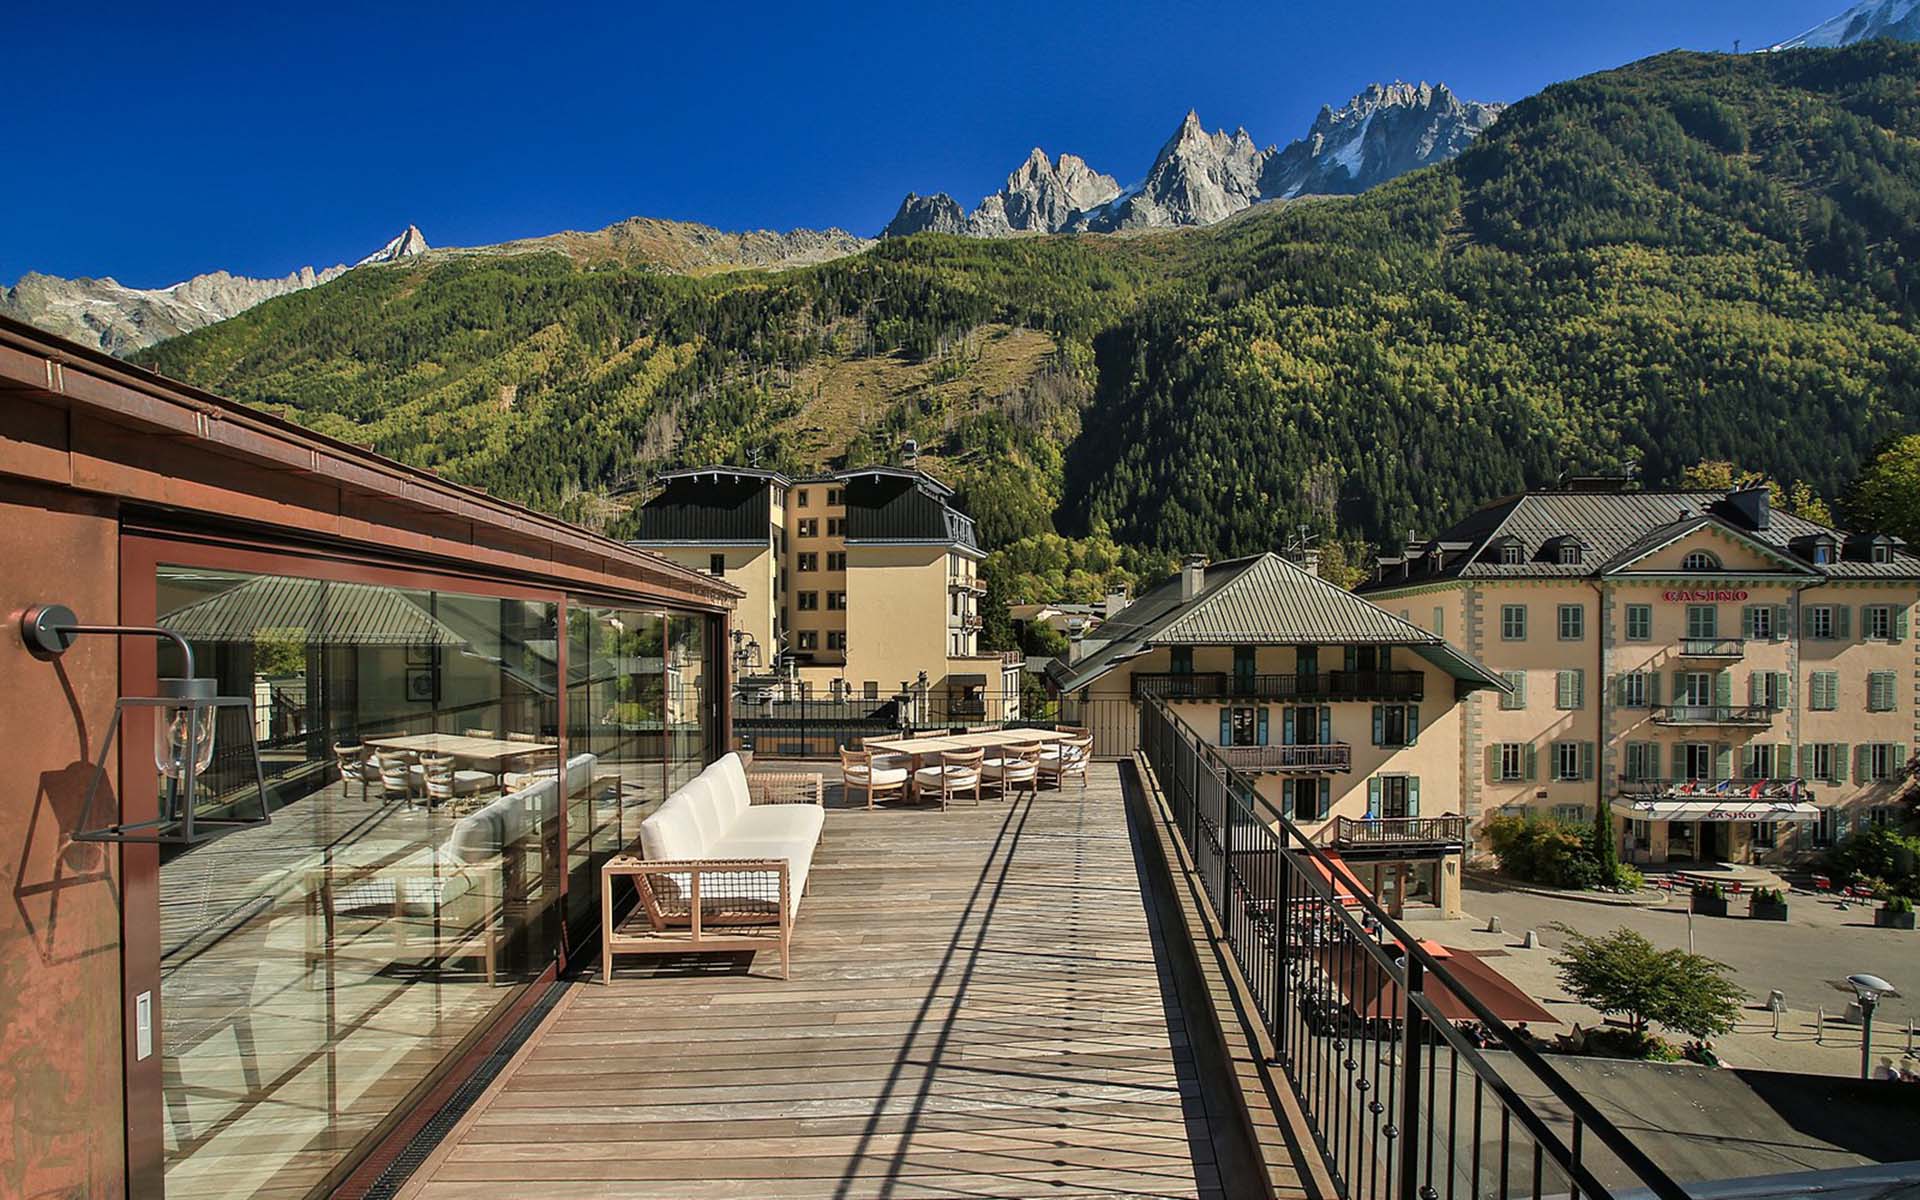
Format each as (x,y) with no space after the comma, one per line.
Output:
(478,733)
(859,770)
(354,767)
(1018,766)
(1066,758)
(957,771)
(396,768)
(444,780)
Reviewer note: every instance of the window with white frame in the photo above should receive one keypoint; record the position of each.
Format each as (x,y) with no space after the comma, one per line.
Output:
(1880,761)
(1513,762)
(1633,690)
(1571,553)
(1639,622)
(1698,692)
(807,639)
(1821,758)
(1566,761)
(1700,560)
(1696,760)
(1820,622)
(1570,814)
(1573,622)
(1876,622)
(1512,554)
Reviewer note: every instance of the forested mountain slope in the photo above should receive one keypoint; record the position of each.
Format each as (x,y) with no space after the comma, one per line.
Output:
(1693,256)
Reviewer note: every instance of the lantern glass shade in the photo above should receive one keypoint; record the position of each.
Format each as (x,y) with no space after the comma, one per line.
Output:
(179,731)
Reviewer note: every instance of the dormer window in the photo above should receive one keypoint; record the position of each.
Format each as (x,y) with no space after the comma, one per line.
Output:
(1823,551)
(1882,552)
(1512,554)
(1700,560)
(1435,561)
(1571,554)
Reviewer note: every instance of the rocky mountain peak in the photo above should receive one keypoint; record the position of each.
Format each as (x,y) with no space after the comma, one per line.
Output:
(410,243)
(1897,19)
(1384,131)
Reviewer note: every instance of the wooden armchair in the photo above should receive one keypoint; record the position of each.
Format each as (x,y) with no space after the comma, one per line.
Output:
(860,771)
(452,909)
(958,771)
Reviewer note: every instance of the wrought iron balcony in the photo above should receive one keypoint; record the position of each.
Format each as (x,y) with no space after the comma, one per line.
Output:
(1744,788)
(1326,685)
(1756,716)
(1722,648)
(1293,760)
(1400,831)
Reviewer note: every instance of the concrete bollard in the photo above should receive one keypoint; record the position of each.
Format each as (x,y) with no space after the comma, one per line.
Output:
(1531,941)
(1493,925)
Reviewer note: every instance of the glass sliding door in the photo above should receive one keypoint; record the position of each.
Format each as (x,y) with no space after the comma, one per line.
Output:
(616,717)
(690,706)
(316,969)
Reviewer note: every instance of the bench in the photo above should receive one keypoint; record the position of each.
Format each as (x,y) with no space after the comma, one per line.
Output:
(721,866)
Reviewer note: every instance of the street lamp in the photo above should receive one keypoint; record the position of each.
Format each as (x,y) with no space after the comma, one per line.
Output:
(1867,989)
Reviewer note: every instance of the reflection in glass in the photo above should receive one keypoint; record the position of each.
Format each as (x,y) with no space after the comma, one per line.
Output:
(688,722)
(315,969)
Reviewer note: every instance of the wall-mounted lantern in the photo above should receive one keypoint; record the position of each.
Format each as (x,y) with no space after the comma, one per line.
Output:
(184,726)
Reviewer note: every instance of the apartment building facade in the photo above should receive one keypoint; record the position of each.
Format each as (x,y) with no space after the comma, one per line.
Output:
(1739,683)
(860,584)
(1348,716)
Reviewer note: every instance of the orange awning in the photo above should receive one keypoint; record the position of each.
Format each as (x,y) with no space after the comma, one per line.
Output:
(1347,887)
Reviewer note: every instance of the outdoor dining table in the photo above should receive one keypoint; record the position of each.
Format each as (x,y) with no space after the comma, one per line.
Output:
(919,748)
(487,754)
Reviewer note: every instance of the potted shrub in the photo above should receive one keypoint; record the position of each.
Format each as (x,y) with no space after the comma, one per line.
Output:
(1709,900)
(1768,904)
(1896,913)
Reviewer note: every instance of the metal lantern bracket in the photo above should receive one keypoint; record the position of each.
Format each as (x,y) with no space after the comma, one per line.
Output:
(49,630)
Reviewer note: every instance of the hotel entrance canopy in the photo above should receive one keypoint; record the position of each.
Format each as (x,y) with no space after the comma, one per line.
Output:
(1728,810)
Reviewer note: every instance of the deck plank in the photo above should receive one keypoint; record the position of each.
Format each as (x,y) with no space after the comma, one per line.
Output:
(978,1007)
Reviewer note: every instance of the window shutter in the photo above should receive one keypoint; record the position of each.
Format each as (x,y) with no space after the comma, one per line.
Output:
(1723,689)
(1286,800)
(1899,622)
(1326,727)
(1373,797)
(1586,760)
(1580,689)
(1226,727)
(1783,688)
(1386,658)
(1862,760)
(1653,688)
(1413,795)
(1753,687)
(1746,621)
(1843,621)
(1839,771)
(1379,723)
(1286,728)
(1780,626)
(1413,724)
(1806,760)
(1899,763)
(1722,760)
(1620,690)
(1653,760)
(1353,658)
(1533,764)
(1326,799)
(1260,723)
(1679,687)
(1493,763)
(1747,753)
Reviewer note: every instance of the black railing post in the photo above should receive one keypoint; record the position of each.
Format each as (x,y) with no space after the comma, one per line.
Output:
(1282,947)
(1413,1048)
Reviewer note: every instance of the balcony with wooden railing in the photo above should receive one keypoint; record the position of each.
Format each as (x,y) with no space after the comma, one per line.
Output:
(1753,716)
(1410,832)
(1309,688)
(1335,757)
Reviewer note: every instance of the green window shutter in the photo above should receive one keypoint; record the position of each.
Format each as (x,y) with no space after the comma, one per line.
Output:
(1653,760)
(1493,763)
(1843,621)
(1226,727)
(1806,760)
(1806,620)
(1379,723)
(1839,774)
(1899,622)
(1413,795)
(1326,797)
(1780,627)
(1679,687)
(1899,758)
(1753,687)
(1746,621)
(1413,724)
(1783,688)
(1580,689)
(1747,753)
(1722,760)
(1862,760)
(1586,760)
(1653,688)
(1723,689)
(1260,724)
(1620,691)
(1533,762)
(1286,728)
(1373,796)
(1286,802)
(1326,727)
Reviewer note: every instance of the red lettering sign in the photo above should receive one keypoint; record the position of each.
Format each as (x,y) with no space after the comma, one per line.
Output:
(1705,597)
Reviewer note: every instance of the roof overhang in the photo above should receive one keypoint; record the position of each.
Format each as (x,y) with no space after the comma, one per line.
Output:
(1466,670)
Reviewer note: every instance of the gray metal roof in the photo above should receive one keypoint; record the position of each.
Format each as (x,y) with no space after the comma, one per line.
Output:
(1613,524)
(1261,600)
(319,612)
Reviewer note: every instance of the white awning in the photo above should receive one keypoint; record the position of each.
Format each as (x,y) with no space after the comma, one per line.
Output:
(1723,810)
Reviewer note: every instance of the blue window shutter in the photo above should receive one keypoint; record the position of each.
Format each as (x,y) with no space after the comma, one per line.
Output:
(1413,724)
(1260,723)
(1326,797)
(1326,728)
(1353,658)
(1413,795)
(1379,723)
(1226,727)
(1286,800)
(1373,797)
(1286,728)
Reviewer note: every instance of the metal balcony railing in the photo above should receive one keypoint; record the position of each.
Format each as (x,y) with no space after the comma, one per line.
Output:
(1403,1102)
(1714,714)
(1307,760)
(1327,685)
(1713,647)
(1743,788)
(1400,831)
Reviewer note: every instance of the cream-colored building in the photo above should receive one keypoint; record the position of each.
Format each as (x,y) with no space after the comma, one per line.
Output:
(860,585)
(1348,717)
(1739,683)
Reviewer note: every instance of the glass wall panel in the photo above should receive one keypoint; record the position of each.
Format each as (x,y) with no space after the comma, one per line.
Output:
(690,719)
(616,704)
(315,969)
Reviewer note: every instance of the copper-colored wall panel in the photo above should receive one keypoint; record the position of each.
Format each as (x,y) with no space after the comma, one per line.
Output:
(60,1024)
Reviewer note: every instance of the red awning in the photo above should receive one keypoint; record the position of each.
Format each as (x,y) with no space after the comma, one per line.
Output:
(1347,887)
(1372,993)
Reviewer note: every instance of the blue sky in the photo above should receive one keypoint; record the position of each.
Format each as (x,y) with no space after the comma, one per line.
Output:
(151,142)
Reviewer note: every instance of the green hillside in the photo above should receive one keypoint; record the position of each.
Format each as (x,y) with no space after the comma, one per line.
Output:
(1693,256)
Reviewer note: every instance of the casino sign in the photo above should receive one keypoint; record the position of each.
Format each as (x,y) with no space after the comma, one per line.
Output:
(1711,596)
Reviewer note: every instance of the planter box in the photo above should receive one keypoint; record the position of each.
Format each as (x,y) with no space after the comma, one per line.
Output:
(1710,906)
(1767,912)
(1893,920)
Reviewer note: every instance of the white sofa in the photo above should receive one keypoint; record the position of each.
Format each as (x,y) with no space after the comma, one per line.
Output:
(722,865)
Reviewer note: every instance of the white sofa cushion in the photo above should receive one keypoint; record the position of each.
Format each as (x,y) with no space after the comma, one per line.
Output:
(879,776)
(959,777)
(783,821)
(711,817)
(1012,769)
(702,801)
(671,834)
(729,776)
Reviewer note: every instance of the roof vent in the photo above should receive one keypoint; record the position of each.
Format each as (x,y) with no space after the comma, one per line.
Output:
(1754,506)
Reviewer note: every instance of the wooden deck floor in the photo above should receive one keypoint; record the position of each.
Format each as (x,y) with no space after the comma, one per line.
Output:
(980,1006)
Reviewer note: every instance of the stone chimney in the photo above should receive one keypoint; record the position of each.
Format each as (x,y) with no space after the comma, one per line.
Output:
(1310,560)
(1115,601)
(1076,640)
(1193,576)
(1754,504)
(910,452)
